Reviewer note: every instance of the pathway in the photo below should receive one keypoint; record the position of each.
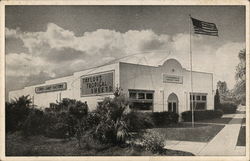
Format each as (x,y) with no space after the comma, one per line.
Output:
(223,144)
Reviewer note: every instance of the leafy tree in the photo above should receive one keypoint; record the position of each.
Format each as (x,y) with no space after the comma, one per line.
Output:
(222,87)
(240,76)
(217,100)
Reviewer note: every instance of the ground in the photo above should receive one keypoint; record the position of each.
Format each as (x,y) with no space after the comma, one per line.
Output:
(230,140)
(43,146)
(223,136)
(185,132)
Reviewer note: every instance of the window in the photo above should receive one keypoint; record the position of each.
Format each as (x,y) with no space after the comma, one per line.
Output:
(132,95)
(149,96)
(141,99)
(204,98)
(141,95)
(199,101)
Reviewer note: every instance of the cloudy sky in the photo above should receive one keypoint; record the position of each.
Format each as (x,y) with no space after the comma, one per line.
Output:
(44,42)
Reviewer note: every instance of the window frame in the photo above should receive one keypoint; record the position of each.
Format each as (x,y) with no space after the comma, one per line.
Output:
(195,100)
(145,100)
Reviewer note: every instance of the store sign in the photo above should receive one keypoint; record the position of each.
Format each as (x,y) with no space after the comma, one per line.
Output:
(97,84)
(172,79)
(51,88)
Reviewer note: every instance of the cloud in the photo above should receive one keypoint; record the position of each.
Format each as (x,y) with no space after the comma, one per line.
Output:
(57,52)
(25,64)
(226,62)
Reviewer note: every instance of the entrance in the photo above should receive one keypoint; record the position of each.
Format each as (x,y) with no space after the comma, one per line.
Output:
(173,103)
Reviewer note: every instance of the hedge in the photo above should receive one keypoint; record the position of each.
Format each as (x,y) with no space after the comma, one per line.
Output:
(201,115)
(140,120)
(164,118)
(144,120)
(228,108)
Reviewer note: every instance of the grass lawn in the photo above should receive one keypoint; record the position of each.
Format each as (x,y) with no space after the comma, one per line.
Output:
(217,121)
(185,132)
(242,136)
(43,146)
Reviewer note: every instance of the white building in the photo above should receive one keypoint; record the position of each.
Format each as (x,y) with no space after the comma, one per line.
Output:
(162,88)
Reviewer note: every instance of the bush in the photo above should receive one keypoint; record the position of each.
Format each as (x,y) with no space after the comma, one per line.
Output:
(201,115)
(139,120)
(153,141)
(16,113)
(112,119)
(145,120)
(164,118)
(34,124)
(60,122)
(57,125)
(228,108)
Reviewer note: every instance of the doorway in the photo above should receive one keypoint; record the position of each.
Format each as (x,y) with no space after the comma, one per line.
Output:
(173,103)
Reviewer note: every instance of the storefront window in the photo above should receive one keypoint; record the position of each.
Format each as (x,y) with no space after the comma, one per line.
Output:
(204,98)
(199,101)
(132,95)
(141,95)
(141,99)
(149,96)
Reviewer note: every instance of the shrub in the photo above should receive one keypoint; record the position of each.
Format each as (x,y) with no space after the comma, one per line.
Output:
(112,119)
(201,115)
(62,121)
(34,124)
(139,120)
(57,125)
(49,124)
(16,113)
(153,141)
(164,118)
(228,108)
(69,113)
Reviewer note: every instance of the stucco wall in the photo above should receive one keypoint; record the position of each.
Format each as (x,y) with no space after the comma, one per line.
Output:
(130,76)
(133,76)
(73,88)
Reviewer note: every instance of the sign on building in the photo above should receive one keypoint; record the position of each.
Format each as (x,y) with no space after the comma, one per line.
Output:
(172,79)
(97,84)
(51,88)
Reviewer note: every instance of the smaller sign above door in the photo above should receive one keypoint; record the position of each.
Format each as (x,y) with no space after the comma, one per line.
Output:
(172,79)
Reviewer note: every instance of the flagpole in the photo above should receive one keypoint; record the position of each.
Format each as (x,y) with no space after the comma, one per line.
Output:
(191,69)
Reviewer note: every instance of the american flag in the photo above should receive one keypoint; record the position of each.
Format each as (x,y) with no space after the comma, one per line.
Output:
(204,28)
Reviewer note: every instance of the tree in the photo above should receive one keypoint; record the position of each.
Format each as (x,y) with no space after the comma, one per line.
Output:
(217,100)
(240,76)
(222,87)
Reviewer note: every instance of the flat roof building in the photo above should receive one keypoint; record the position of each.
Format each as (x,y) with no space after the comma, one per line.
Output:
(150,88)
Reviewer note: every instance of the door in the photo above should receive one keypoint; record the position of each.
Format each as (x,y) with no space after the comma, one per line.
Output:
(173,103)
(172,107)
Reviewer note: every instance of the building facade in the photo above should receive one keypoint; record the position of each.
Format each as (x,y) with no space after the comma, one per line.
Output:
(163,88)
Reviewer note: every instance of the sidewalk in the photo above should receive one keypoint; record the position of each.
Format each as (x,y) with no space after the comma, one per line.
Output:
(223,144)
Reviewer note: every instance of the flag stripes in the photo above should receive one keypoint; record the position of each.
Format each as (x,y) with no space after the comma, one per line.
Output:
(204,28)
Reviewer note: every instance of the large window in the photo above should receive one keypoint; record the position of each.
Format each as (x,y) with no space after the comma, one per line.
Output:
(141,99)
(199,101)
